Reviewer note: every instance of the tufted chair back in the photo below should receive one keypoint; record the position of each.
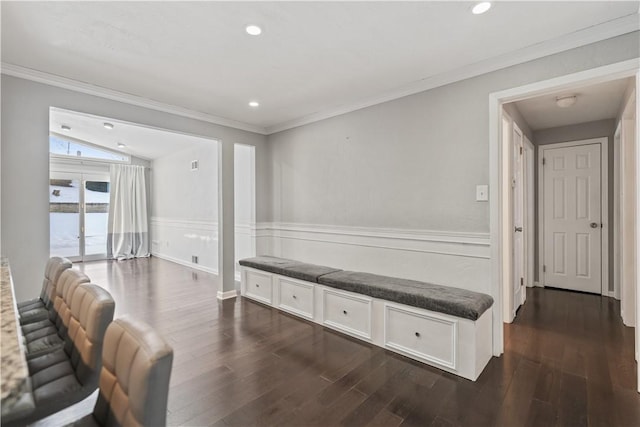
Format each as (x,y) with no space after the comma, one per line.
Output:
(134,380)
(52,272)
(69,281)
(91,312)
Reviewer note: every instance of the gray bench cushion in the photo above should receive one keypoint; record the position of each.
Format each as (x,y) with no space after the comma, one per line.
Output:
(288,267)
(443,299)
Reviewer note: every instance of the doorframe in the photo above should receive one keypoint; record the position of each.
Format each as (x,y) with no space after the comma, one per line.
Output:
(499,182)
(604,206)
(617,213)
(530,211)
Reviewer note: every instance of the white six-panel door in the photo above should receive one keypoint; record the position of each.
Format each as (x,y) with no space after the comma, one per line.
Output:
(572,229)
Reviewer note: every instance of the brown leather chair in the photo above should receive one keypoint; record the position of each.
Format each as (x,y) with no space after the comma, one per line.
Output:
(69,374)
(134,381)
(48,335)
(39,309)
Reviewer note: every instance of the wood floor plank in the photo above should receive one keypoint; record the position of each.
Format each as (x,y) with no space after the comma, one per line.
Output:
(519,395)
(385,418)
(424,412)
(540,414)
(381,387)
(572,404)
(455,407)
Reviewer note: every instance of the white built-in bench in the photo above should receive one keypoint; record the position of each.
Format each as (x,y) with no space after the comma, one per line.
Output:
(445,327)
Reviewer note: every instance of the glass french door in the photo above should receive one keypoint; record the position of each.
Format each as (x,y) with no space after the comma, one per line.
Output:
(78,215)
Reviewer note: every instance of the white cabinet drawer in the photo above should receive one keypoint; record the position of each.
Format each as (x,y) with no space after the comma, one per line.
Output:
(421,334)
(296,297)
(347,313)
(258,286)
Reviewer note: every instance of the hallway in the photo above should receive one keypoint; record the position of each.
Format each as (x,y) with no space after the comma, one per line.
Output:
(572,359)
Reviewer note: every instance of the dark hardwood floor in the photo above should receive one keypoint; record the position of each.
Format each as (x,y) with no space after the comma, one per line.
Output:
(568,361)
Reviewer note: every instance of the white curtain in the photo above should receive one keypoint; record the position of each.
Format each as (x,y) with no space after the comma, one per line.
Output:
(128,223)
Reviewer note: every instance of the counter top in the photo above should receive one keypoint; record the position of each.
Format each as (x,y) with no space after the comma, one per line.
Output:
(14,373)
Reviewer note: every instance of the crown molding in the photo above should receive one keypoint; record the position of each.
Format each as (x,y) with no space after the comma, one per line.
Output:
(127,98)
(606,30)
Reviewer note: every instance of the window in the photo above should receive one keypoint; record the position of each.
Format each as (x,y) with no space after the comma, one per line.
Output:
(68,147)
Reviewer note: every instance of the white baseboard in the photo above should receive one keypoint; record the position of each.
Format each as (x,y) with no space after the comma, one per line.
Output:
(227,294)
(611,294)
(185,263)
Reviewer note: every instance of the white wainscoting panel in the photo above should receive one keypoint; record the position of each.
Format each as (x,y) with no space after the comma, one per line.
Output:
(178,240)
(245,244)
(447,258)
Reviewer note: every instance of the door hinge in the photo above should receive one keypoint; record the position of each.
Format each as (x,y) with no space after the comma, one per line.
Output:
(522,281)
(544,268)
(544,161)
(521,151)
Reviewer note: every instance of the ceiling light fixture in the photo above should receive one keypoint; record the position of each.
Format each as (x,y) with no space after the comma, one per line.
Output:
(481,8)
(566,100)
(121,145)
(65,128)
(253,30)
(108,125)
(254,104)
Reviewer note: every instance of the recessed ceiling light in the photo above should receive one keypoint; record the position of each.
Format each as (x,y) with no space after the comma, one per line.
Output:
(566,100)
(253,30)
(121,145)
(481,7)
(108,125)
(65,128)
(254,104)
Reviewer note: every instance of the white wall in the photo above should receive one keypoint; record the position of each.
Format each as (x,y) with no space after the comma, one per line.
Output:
(25,167)
(184,206)
(409,164)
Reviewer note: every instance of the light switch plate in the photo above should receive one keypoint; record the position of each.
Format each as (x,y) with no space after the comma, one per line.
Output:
(482,193)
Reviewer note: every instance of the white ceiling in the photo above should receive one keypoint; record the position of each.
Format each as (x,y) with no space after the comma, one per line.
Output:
(312,56)
(140,141)
(597,102)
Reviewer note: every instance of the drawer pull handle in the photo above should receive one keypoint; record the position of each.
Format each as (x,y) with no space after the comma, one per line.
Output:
(295,297)
(257,286)
(418,334)
(344,311)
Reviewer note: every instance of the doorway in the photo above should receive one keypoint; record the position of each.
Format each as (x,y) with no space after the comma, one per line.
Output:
(573,214)
(500,179)
(78,215)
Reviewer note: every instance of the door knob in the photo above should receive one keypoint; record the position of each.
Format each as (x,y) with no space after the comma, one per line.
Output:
(594,225)
(518,229)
